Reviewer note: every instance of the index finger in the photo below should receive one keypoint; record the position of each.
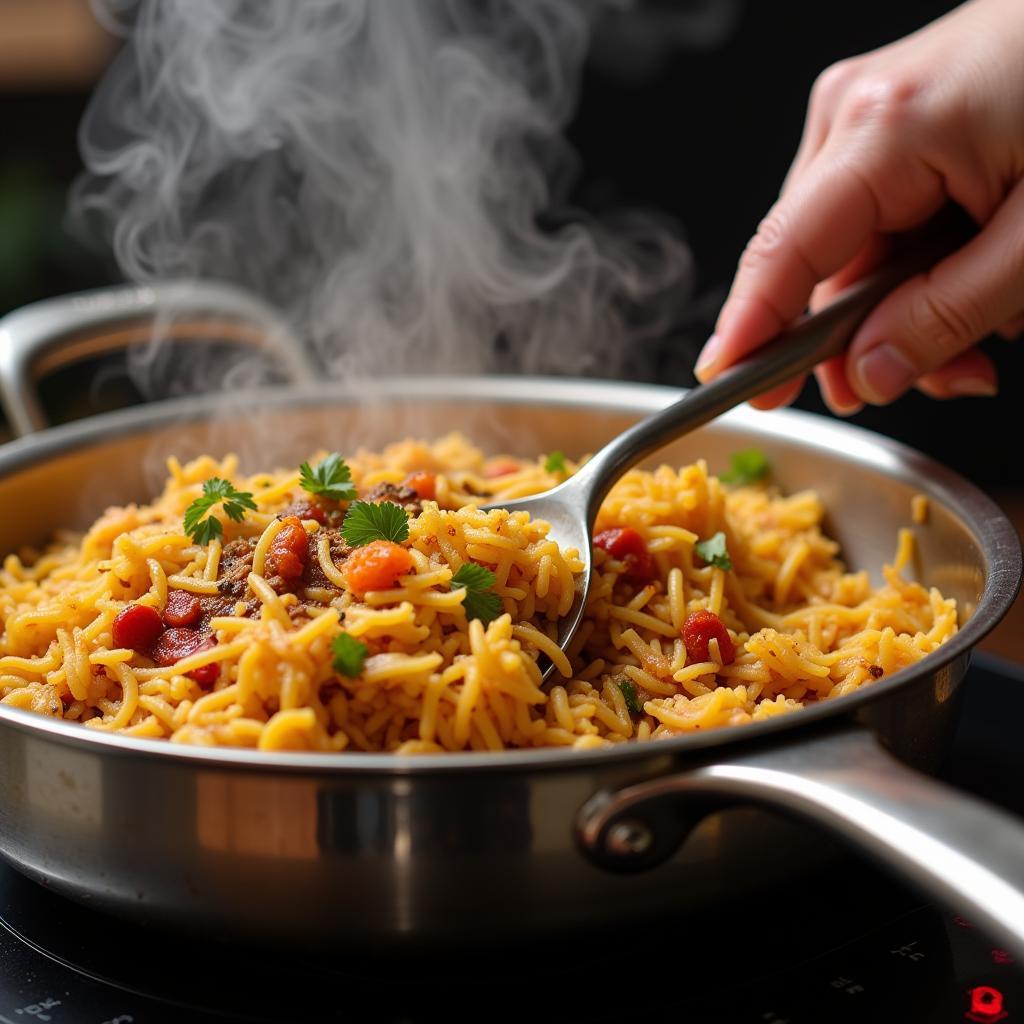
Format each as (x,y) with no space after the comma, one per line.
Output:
(819,224)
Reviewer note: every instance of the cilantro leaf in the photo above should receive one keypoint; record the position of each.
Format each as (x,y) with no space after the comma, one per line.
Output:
(349,654)
(633,703)
(207,530)
(555,462)
(366,521)
(479,602)
(482,605)
(714,551)
(473,577)
(746,467)
(201,526)
(331,478)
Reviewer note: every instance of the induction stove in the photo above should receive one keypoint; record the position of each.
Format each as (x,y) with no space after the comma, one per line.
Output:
(843,943)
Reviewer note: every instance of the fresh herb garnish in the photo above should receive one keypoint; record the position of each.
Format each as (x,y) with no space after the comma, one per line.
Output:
(633,703)
(746,467)
(479,602)
(555,462)
(203,530)
(368,521)
(349,654)
(714,552)
(330,478)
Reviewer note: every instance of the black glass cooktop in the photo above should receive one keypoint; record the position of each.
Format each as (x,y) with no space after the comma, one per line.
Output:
(870,951)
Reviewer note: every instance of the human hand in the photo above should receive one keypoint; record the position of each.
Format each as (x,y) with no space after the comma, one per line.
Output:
(890,137)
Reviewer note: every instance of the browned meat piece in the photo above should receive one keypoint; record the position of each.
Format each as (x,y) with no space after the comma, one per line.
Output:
(317,509)
(305,510)
(235,566)
(214,605)
(314,575)
(397,494)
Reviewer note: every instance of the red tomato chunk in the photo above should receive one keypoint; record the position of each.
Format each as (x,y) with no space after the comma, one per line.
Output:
(176,644)
(289,550)
(626,545)
(698,631)
(137,627)
(205,675)
(183,608)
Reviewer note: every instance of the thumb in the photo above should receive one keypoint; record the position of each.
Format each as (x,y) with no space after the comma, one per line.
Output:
(931,319)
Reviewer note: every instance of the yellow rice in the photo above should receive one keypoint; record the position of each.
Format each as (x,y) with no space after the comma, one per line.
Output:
(805,629)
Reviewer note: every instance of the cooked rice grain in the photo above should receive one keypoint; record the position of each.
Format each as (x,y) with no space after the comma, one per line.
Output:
(805,629)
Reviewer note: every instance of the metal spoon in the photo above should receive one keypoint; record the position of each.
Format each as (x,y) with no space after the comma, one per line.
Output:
(571,507)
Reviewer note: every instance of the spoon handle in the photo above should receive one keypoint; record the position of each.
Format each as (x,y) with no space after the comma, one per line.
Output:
(814,338)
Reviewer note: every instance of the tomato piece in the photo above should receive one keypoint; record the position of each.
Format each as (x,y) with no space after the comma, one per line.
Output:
(423,483)
(626,545)
(175,644)
(376,566)
(137,627)
(183,608)
(699,629)
(289,550)
(205,675)
(501,467)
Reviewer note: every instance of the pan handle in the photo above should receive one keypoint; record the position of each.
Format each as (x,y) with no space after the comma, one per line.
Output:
(39,338)
(961,850)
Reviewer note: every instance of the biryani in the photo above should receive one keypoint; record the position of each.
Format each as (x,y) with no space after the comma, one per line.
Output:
(365,601)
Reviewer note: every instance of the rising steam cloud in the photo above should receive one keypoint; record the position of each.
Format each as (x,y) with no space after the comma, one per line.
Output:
(386,172)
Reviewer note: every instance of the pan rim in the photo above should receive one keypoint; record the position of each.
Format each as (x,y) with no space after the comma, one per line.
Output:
(998,541)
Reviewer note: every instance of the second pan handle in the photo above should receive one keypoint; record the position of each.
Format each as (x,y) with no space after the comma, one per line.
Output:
(46,335)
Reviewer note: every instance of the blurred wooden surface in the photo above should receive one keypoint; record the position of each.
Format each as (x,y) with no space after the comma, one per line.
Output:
(50,44)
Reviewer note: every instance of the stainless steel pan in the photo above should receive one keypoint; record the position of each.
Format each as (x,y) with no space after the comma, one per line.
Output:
(376,850)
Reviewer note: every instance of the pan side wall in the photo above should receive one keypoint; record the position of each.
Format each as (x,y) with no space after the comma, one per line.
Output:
(357,861)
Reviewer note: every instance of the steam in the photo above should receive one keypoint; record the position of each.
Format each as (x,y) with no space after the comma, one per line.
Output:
(387,173)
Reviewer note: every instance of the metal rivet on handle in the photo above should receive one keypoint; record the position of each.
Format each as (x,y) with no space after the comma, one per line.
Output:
(629,838)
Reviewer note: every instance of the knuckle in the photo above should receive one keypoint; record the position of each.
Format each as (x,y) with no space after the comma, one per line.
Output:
(833,80)
(890,100)
(943,323)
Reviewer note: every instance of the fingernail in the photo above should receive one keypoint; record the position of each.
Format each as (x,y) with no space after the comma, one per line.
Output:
(972,387)
(884,373)
(841,409)
(709,354)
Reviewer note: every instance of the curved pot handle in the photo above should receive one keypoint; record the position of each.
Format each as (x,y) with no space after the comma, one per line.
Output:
(52,333)
(960,849)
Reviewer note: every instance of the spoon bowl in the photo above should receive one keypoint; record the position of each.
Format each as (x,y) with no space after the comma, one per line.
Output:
(564,507)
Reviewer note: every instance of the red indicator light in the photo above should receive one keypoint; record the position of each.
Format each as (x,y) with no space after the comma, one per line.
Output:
(986,1004)
(1001,956)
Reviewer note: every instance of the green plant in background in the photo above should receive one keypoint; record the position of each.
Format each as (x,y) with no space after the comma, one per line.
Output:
(23,213)
(37,255)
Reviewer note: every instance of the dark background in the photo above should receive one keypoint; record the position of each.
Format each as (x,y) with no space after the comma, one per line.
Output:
(709,137)
(703,130)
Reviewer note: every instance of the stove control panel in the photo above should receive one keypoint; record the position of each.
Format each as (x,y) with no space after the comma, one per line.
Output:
(925,967)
